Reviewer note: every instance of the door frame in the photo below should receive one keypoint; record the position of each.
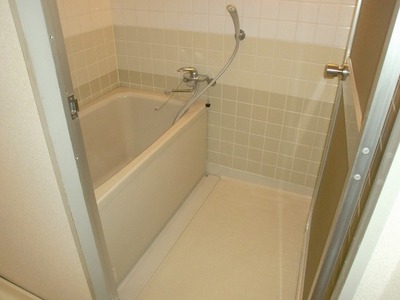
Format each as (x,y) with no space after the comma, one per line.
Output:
(383,197)
(379,104)
(42,42)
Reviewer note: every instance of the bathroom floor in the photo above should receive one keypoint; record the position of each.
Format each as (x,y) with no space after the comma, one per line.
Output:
(238,241)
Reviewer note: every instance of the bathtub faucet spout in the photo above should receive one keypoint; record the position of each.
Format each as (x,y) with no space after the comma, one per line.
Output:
(172,91)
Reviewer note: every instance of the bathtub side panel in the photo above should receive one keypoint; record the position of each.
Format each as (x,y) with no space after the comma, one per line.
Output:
(140,210)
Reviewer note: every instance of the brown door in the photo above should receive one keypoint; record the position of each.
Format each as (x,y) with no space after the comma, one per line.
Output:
(358,120)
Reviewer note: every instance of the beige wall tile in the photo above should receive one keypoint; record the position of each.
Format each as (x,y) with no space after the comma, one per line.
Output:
(272,94)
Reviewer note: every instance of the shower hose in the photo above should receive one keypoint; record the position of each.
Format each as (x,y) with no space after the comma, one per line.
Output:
(239,35)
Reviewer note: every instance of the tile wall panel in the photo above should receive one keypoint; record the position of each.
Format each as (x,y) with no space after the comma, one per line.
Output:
(271,109)
(81,16)
(92,62)
(90,44)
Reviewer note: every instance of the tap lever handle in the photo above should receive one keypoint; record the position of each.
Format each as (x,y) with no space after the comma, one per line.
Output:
(191,73)
(188,69)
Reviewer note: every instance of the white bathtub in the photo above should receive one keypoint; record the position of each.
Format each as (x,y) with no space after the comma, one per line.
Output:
(142,168)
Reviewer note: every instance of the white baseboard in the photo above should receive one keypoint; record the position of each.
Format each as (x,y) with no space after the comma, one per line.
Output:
(214,169)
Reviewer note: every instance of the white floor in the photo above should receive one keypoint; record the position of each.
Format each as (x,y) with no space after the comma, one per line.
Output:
(231,240)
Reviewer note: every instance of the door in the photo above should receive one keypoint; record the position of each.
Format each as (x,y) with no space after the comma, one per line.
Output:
(39,30)
(367,81)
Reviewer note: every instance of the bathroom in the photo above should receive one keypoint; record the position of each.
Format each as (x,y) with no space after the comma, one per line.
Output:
(270,111)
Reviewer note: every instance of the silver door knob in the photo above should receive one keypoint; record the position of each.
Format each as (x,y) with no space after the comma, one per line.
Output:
(333,71)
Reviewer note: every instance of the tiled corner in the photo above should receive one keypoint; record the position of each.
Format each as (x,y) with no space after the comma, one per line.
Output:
(92,62)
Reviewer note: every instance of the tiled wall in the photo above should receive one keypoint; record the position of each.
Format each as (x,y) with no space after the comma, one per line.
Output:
(90,44)
(260,130)
(271,109)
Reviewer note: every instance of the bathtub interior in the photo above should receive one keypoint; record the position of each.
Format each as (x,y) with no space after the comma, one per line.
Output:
(118,127)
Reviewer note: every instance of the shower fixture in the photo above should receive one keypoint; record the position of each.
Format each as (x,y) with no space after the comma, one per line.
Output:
(239,33)
(191,76)
(239,36)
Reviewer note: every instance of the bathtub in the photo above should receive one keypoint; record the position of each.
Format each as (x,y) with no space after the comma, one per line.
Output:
(142,169)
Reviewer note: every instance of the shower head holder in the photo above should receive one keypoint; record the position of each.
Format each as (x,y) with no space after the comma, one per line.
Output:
(242,35)
(239,33)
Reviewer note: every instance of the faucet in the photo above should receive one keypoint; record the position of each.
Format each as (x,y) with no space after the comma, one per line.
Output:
(191,74)
(191,77)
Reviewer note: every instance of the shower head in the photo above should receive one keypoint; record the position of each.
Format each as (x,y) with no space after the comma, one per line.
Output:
(239,34)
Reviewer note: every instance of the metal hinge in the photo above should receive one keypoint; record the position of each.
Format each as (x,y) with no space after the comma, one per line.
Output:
(73,106)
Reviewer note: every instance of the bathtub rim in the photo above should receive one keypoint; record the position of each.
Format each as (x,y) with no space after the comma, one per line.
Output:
(124,92)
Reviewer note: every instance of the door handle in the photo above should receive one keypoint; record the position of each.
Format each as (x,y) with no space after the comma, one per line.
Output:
(334,70)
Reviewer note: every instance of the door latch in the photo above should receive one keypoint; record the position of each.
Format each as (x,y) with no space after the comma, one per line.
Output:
(73,106)
(333,71)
